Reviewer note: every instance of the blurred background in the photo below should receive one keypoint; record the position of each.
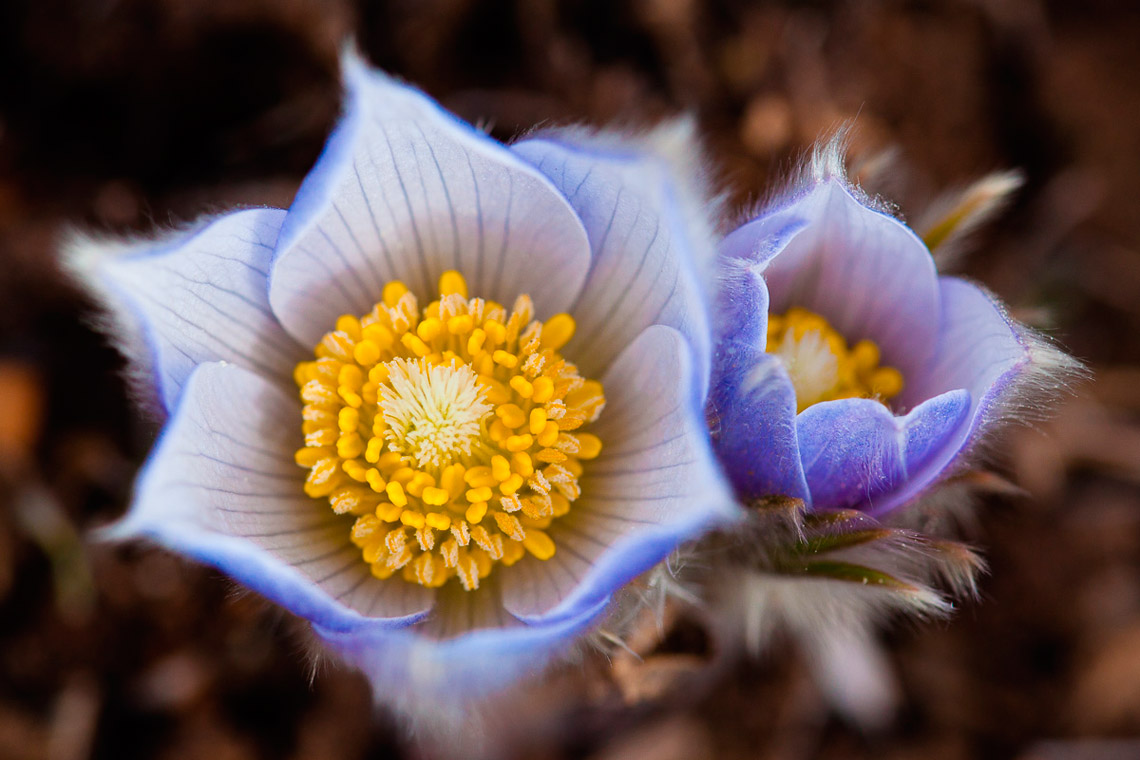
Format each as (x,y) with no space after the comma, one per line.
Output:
(127,115)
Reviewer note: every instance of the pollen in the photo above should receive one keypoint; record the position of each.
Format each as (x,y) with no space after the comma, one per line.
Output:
(452,432)
(821,365)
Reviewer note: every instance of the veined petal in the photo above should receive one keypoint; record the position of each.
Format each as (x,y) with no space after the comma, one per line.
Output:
(753,414)
(645,266)
(655,484)
(979,350)
(752,398)
(423,675)
(867,273)
(857,453)
(197,297)
(405,191)
(221,486)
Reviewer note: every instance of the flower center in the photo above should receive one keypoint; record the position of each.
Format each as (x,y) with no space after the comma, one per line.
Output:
(451,432)
(822,367)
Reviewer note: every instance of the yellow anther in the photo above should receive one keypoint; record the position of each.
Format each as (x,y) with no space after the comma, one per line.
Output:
(511,485)
(393,292)
(519,442)
(475,512)
(403,475)
(505,359)
(452,282)
(589,446)
(374,449)
(475,342)
(429,329)
(349,446)
(437,521)
(395,492)
(557,331)
(389,461)
(538,543)
(366,352)
(460,324)
(498,431)
(338,345)
(414,344)
(549,434)
(389,513)
(348,419)
(365,527)
(349,325)
(543,390)
(518,383)
(886,382)
(412,519)
(355,470)
(500,468)
(380,335)
(452,479)
(482,493)
(436,497)
(510,525)
(511,415)
(477,477)
(310,455)
(537,420)
(495,330)
(376,481)
(522,464)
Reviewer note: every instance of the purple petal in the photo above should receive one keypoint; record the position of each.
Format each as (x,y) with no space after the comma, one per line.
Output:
(221,487)
(980,350)
(645,255)
(753,411)
(406,191)
(857,453)
(866,272)
(202,297)
(655,484)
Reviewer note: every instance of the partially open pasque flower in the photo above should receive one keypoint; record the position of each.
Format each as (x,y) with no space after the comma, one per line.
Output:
(849,379)
(848,373)
(443,407)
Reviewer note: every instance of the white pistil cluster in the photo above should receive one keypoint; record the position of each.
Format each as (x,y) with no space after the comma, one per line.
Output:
(434,413)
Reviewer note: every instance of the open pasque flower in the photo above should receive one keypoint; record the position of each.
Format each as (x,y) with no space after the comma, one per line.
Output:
(849,374)
(443,407)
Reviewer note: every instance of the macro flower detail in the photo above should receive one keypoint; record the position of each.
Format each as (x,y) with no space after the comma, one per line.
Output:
(849,373)
(450,427)
(447,405)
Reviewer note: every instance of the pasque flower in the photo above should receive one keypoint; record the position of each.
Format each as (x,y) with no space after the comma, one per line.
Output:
(446,405)
(848,372)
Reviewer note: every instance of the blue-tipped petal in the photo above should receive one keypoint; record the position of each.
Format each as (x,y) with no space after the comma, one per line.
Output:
(645,267)
(655,484)
(979,350)
(440,678)
(753,414)
(404,190)
(752,400)
(221,486)
(857,453)
(201,297)
(866,272)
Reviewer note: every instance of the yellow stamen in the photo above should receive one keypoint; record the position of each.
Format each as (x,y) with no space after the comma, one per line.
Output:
(444,431)
(821,366)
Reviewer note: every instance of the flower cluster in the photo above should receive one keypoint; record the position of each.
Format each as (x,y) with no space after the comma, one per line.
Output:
(450,403)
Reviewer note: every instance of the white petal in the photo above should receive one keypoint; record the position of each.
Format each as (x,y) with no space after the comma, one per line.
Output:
(404,190)
(655,484)
(198,296)
(222,487)
(648,252)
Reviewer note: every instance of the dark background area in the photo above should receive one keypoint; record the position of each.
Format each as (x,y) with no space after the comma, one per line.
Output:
(123,115)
